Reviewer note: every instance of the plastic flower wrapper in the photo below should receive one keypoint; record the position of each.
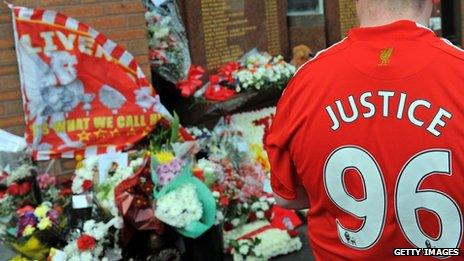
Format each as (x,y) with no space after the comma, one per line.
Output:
(186,182)
(6,207)
(169,51)
(33,249)
(211,171)
(134,200)
(253,176)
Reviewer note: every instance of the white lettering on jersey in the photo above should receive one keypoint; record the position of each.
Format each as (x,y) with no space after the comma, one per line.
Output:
(343,113)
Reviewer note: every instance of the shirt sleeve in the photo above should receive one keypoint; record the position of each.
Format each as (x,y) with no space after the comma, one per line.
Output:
(284,178)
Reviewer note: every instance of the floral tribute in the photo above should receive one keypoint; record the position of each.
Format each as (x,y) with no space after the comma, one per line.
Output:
(254,72)
(169,54)
(235,159)
(179,207)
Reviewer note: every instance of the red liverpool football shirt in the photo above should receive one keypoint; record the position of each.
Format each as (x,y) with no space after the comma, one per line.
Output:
(373,129)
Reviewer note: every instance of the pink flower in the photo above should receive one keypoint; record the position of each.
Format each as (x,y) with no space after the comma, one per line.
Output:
(46,180)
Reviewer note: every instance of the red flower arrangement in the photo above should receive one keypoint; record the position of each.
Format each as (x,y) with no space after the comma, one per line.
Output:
(85,242)
(193,81)
(16,189)
(64,192)
(87,185)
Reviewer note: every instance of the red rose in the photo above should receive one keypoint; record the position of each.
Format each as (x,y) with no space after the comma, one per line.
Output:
(87,185)
(220,93)
(65,192)
(85,242)
(293,233)
(2,194)
(214,79)
(224,201)
(13,189)
(228,226)
(199,174)
(268,214)
(252,216)
(24,188)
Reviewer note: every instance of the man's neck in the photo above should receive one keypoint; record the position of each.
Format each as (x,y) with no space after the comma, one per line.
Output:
(379,21)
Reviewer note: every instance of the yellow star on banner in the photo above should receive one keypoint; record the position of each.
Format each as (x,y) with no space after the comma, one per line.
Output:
(131,132)
(99,133)
(114,133)
(84,136)
(146,131)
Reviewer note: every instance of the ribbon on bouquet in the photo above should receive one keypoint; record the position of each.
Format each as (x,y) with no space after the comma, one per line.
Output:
(192,82)
(256,232)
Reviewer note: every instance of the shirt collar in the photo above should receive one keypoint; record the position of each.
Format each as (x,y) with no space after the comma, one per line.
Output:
(403,30)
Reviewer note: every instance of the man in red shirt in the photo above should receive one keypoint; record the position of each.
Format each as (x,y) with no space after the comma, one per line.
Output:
(370,136)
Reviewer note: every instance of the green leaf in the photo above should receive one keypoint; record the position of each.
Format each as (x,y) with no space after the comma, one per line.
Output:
(175,129)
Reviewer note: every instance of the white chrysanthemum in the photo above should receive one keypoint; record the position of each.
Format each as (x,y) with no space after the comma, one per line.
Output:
(235,222)
(89,225)
(179,207)
(244,249)
(264,206)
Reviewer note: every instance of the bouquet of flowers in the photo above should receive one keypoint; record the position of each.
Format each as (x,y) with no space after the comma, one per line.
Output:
(48,187)
(86,172)
(179,207)
(31,220)
(106,189)
(94,242)
(255,71)
(259,240)
(169,52)
(262,71)
(34,230)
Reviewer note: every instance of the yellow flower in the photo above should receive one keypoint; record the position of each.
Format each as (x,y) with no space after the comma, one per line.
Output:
(164,157)
(19,258)
(28,230)
(44,223)
(261,156)
(41,211)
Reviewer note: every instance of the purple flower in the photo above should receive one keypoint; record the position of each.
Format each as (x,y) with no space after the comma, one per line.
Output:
(163,169)
(53,215)
(27,219)
(165,178)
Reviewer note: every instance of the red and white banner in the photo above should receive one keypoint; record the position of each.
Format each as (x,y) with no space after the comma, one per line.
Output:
(82,92)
